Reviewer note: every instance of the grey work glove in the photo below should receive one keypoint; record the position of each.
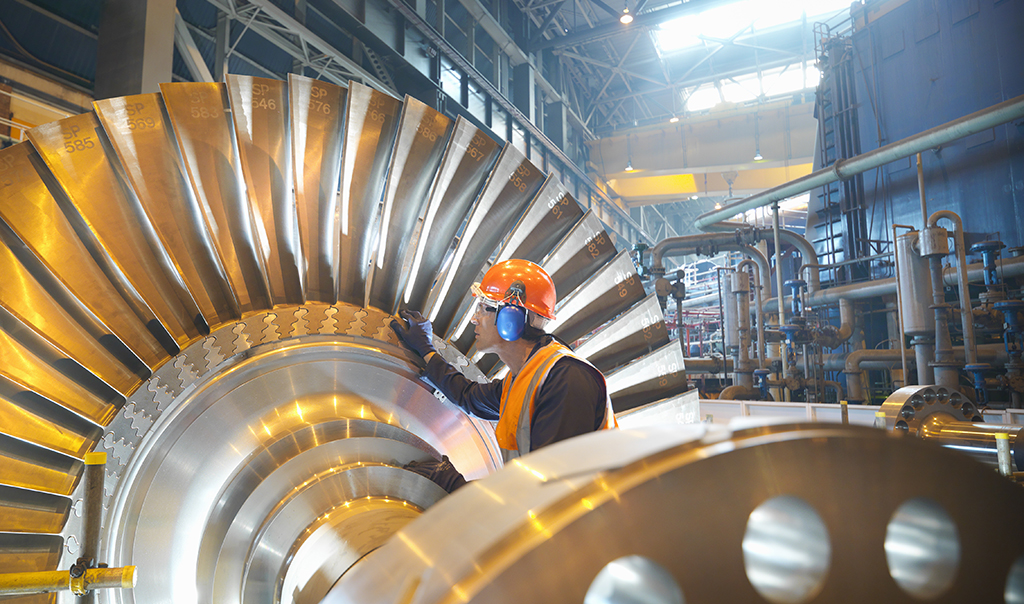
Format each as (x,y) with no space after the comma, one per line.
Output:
(418,335)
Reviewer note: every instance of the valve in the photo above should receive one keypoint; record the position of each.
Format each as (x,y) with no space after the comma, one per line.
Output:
(640,247)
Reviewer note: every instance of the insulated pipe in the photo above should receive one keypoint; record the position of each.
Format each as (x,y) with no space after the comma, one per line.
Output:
(707,365)
(966,314)
(778,280)
(744,373)
(689,244)
(854,372)
(807,251)
(845,169)
(837,387)
(1008,267)
(758,307)
(846,319)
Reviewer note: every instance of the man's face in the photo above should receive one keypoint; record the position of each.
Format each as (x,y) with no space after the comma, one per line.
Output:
(486,332)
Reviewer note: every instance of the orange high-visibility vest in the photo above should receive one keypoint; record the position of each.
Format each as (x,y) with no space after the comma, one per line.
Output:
(518,394)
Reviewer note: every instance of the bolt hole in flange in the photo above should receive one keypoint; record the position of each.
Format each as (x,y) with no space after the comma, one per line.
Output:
(634,580)
(786,550)
(1015,583)
(922,548)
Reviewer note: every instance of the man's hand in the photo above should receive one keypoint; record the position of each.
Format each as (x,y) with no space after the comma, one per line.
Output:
(418,335)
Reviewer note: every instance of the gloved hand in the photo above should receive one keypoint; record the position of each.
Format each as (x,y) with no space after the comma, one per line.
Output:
(418,335)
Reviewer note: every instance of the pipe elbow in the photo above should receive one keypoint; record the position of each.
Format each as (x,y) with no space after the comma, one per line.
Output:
(846,319)
(837,387)
(940,214)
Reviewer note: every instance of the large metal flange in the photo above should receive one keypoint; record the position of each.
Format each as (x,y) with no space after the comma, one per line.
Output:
(909,408)
(269,455)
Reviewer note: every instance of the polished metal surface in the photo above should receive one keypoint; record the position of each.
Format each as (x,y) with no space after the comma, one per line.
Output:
(608,292)
(317,117)
(259,112)
(73,150)
(422,137)
(371,122)
(27,307)
(141,137)
(586,248)
(915,286)
(511,185)
(24,510)
(35,220)
(680,409)
(947,417)
(550,216)
(240,460)
(656,375)
(692,499)
(633,580)
(922,548)
(786,550)
(173,269)
(634,333)
(464,170)
(20,552)
(208,149)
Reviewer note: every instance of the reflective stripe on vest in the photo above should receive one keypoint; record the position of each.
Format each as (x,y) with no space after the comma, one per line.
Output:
(519,393)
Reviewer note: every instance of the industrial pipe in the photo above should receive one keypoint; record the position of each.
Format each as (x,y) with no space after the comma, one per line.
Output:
(708,365)
(61,580)
(853,370)
(1008,267)
(689,244)
(778,283)
(744,373)
(758,307)
(837,387)
(967,315)
(845,169)
(806,249)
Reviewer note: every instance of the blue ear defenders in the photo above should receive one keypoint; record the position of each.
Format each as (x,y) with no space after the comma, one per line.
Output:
(511,318)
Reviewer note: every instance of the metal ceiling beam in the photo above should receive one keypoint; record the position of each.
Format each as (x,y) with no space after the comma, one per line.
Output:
(614,28)
(189,51)
(597,97)
(547,21)
(446,48)
(55,17)
(683,83)
(611,11)
(579,57)
(196,31)
(337,67)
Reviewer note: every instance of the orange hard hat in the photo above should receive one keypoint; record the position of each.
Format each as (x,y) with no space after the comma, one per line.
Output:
(519,282)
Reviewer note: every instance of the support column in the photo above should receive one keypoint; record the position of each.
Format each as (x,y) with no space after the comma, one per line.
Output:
(524,89)
(135,52)
(556,125)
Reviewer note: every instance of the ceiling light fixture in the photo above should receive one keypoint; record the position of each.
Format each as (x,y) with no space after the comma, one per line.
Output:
(626,18)
(673,119)
(718,206)
(757,155)
(629,166)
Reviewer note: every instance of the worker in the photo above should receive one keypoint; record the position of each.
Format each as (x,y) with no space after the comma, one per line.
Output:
(549,394)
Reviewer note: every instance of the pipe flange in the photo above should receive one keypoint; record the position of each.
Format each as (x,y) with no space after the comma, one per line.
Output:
(909,408)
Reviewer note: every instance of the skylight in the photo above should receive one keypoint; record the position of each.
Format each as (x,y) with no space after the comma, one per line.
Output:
(774,82)
(724,21)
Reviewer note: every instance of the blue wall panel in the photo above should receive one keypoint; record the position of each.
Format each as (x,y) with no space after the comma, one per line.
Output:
(927,62)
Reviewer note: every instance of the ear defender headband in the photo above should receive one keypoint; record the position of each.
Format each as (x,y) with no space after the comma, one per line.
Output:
(511,317)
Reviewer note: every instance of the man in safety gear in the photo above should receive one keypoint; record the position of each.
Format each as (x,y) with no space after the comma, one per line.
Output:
(549,394)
